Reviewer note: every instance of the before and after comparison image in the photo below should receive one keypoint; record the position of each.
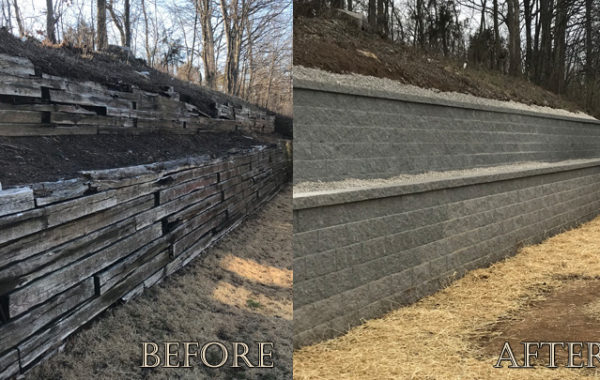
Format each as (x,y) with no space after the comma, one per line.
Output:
(299,189)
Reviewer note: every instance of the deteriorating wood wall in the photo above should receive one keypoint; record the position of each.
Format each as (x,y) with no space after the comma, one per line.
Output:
(36,104)
(70,249)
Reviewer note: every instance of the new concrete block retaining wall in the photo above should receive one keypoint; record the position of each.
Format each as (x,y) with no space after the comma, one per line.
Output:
(70,249)
(343,132)
(361,252)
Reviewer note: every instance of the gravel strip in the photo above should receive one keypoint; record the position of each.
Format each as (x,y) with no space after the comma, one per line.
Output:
(355,184)
(384,84)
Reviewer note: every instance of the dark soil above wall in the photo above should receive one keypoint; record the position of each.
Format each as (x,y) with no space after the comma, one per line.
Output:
(26,160)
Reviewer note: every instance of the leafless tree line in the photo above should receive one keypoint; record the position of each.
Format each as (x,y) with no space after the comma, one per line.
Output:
(553,43)
(242,47)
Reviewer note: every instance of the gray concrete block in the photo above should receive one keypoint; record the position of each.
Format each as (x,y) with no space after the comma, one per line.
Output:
(320,264)
(306,243)
(348,256)
(350,132)
(392,245)
(299,269)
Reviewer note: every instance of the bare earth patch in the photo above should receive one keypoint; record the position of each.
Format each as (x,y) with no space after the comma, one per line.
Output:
(567,314)
(238,291)
(549,291)
(335,46)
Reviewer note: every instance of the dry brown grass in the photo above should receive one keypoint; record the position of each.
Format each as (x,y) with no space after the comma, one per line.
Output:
(437,337)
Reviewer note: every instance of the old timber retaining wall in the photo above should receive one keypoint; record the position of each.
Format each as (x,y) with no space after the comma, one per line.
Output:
(33,103)
(361,252)
(70,249)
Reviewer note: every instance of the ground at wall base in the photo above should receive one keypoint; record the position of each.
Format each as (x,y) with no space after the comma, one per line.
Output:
(443,336)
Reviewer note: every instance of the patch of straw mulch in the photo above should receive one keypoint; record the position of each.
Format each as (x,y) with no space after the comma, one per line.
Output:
(436,337)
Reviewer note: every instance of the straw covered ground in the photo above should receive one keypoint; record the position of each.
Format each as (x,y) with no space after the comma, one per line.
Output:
(547,292)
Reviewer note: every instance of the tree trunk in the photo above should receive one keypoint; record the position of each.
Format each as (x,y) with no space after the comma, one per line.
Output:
(528,50)
(251,72)
(589,54)
(191,58)
(419,27)
(387,18)
(482,20)
(127,24)
(350,5)
(117,21)
(235,16)
(102,39)
(514,38)
(372,14)
(205,11)
(560,49)
(19,19)
(536,46)
(271,72)
(50,32)
(147,37)
(380,18)
(545,56)
(496,35)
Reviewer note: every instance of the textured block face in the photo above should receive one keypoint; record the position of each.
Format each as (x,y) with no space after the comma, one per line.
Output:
(383,246)
(341,136)
(384,251)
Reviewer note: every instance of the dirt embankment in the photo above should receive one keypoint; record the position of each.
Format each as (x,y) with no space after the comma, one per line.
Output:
(334,45)
(238,291)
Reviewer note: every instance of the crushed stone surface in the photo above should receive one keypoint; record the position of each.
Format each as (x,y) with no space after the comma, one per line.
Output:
(315,188)
(388,85)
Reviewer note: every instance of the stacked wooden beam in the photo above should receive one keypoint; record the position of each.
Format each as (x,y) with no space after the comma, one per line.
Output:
(38,104)
(70,249)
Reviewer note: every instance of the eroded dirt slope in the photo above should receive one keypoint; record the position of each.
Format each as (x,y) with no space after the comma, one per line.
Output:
(334,45)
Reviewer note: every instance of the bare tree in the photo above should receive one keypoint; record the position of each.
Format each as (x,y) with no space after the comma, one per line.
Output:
(527,12)
(205,10)
(496,17)
(560,29)
(149,54)
(372,17)
(117,20)
(235,16)
(514,38)
(101,37)
(127,24)
(19,19)
(50,22)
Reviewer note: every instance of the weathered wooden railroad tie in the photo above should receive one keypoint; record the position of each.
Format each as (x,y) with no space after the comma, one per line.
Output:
(70,249)
(37,104)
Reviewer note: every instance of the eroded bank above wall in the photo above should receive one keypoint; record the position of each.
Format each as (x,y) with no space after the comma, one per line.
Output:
(70,249)
(360,253)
